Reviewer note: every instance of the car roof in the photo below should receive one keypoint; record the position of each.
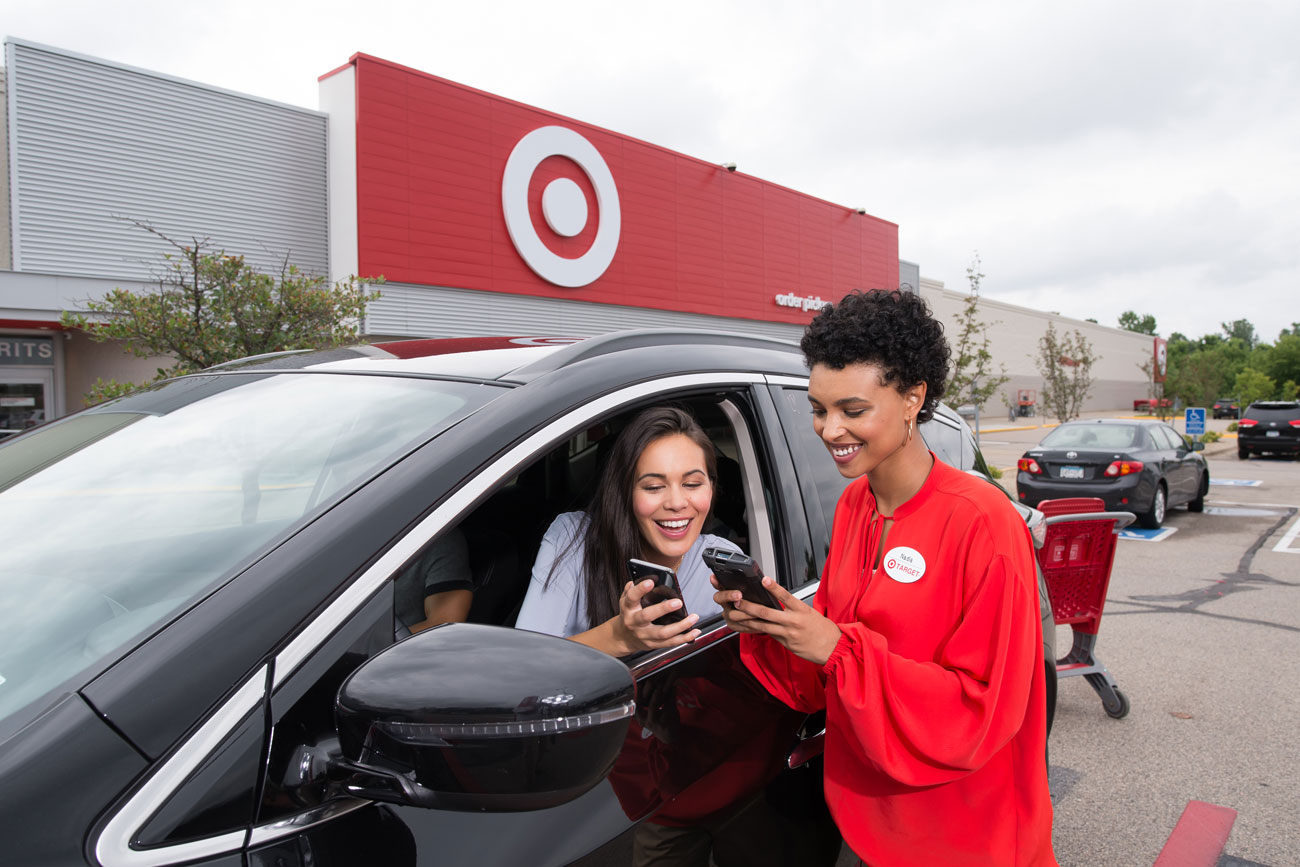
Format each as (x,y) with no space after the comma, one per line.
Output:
(1117,421)
(517,359)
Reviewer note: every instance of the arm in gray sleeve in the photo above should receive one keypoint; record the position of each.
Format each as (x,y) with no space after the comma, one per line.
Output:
(555,599)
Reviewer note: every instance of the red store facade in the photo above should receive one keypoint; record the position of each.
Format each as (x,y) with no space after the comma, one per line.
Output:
(488,216)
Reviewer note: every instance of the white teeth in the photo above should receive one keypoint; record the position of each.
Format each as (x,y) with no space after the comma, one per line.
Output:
(844,451)
(674,525)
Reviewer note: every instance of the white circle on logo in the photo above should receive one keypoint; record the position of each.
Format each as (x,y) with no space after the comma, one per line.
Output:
(548,141)
(904,565)
(565,207)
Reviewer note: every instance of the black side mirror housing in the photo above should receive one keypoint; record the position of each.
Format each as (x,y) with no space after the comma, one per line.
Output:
(482,718)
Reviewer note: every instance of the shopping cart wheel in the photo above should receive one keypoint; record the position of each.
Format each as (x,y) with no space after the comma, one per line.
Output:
(1120,709)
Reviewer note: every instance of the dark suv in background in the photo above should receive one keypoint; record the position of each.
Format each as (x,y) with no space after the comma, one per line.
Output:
(1269,426)
(1226,407)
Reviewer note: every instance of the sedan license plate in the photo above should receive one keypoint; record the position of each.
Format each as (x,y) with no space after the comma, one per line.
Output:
(1273,433)
(1072,472)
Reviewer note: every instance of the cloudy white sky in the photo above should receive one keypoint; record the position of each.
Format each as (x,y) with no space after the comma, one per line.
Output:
(1099,156)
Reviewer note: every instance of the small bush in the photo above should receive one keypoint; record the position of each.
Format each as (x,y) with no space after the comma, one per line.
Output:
(1232,426)
(1211,436)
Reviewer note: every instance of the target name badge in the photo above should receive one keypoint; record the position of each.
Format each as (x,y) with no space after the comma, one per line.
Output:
(904,565)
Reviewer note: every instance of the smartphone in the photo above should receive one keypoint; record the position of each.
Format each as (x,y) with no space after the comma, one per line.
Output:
(737,571)
(665,588)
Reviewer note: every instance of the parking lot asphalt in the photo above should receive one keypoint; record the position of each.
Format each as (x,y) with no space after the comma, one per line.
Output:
(1200,630)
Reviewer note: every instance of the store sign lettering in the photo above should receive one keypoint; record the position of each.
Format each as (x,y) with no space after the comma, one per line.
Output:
(27,351)
(805,302)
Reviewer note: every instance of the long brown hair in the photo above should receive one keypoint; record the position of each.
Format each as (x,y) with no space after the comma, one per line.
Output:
(610,535)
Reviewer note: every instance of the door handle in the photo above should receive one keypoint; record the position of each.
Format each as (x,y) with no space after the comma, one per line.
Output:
(806,750)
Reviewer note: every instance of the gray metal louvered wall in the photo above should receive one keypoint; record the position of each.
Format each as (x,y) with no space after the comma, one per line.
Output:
(404,310)
(93,142)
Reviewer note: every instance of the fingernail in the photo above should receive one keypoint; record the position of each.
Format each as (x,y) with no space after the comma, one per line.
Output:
(677,603)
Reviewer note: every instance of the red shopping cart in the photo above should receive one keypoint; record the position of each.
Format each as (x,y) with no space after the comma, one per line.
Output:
(1076,560)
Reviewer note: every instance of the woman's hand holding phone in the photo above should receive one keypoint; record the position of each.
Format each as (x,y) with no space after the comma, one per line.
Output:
(635,628)
(802,629)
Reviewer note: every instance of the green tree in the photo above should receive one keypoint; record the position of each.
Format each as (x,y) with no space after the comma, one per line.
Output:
(1144,324)
(1253,385)
(1283,361)
(209,307)
(1241,329)
(1065,363)
(973,380)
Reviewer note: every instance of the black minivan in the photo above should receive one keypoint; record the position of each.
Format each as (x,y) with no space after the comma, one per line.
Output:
(202,661)
(1269,427)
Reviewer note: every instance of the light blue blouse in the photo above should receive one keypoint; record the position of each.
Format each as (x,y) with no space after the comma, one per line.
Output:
(561,608)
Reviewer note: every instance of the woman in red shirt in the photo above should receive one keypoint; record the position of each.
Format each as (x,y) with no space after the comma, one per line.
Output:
(923,642)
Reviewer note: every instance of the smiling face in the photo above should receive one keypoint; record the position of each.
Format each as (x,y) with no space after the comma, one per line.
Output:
(862,421)
(671,495)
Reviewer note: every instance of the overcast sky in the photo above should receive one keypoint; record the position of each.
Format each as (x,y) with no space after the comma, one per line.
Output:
(1099,156)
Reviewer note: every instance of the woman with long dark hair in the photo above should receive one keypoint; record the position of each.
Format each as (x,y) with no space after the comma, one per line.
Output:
(923,643)
(651,503)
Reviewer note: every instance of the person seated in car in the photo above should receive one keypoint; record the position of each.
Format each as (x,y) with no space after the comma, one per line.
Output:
(651,503)
(438,587)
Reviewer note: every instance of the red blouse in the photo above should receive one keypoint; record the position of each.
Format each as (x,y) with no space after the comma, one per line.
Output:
(935,695)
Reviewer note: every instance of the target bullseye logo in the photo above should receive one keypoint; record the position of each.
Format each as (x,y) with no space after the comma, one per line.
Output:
(564,206)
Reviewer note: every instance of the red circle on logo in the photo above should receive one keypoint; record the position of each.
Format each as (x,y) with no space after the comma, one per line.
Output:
(891,564)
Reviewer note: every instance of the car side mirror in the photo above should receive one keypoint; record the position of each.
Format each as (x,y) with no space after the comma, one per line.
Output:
(482,718)
(1198,446)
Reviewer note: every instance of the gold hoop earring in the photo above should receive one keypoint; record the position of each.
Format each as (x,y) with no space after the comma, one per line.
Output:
(911,424)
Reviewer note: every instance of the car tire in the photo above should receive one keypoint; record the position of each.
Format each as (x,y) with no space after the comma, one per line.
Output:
(1156,516)
(1242,454)
(1202,488)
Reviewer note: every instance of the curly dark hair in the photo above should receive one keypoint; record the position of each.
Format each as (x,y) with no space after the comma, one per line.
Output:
(891,329)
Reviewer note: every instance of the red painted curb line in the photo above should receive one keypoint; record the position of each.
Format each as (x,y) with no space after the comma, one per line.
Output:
(1199,837)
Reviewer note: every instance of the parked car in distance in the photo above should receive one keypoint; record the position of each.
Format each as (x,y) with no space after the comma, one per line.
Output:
(1133,465)
(1269,427)
(1225,407)
(202,660)
(1151,405)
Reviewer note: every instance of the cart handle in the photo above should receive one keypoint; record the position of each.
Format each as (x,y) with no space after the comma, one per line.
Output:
(1121,519)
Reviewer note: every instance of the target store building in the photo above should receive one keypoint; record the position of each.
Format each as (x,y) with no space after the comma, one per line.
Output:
(483,215)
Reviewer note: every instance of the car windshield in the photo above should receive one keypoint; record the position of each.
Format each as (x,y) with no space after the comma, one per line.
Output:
(1093,436)
(117,518)
(1274,411)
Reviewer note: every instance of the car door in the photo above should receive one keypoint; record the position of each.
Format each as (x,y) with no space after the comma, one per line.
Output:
(706,740)
(1180,465)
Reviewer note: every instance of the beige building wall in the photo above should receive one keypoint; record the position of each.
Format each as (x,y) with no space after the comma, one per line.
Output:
(6,253)
(86,361)
(1014,332)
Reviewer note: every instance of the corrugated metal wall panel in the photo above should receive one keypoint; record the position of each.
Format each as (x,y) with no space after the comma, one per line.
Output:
(404,310)
(94,142)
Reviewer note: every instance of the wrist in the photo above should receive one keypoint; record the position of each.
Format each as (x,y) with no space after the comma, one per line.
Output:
(622,639)
(828,644)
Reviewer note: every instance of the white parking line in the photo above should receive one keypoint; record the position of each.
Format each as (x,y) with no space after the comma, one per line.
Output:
(1241,512)
(1284,544)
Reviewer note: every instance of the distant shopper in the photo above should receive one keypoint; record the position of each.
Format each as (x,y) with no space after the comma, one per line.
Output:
(924,641)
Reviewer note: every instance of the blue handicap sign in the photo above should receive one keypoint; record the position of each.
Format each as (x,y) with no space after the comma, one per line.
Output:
(1140,535)
(1194,421)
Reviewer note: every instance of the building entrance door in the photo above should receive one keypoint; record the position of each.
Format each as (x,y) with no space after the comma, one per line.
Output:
(25,398)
